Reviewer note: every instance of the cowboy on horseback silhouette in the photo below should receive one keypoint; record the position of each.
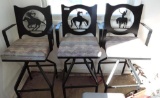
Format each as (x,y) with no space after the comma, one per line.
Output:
(32,20)
(80,19)
(122,20)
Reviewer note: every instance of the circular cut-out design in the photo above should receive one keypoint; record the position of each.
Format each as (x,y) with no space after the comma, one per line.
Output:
(121,19)
(34,21)
(79,20)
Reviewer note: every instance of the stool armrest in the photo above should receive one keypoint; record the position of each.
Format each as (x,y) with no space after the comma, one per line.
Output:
(5,35)
(149,33)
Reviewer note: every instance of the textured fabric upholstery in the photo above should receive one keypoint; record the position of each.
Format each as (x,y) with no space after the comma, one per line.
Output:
(79,46)
(126,47)
(27,49)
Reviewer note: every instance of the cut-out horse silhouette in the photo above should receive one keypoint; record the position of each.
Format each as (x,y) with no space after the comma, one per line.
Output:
(33,22)
(122,20)
(79,19)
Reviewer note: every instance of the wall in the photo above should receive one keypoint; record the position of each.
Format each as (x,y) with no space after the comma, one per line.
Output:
(6,68)
(9,71)
(151,16)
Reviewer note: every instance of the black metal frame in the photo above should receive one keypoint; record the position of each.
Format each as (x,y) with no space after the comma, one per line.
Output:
(48,31)
(26,67)
(129,64)
(136,10)
(104,28)
(91,69)
(66,29)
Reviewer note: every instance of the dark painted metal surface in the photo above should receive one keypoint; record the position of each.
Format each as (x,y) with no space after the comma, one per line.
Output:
(121,21)
(29,15)
(75,27)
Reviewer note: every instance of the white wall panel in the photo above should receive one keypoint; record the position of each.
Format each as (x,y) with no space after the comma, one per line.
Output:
(9,71)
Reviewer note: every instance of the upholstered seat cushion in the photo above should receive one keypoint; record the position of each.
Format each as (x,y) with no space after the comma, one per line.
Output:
(102,95)
(126,47)
(27,49)
(79,46)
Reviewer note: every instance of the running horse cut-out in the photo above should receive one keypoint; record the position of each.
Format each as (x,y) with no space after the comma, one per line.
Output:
(122,20)
(33,22)
(79,19)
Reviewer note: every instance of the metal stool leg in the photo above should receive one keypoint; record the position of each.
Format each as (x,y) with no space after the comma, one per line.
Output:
(65,80)
(65,68)
(124,66)
(134,73)
(106,88)
(55,67)
(29,73)
(64,91)
(111,74)
(46,79)
(20,78)
(102,77)
(99,64)
(65,64)
(92,66)
(92,73)
(52,94)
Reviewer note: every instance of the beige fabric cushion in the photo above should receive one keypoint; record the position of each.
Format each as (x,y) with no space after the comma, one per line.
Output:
(126,47)
(27,49)
(79,46)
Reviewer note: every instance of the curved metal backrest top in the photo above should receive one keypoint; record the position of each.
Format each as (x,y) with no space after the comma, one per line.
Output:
(33,20)
(80,24)
(129,15)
